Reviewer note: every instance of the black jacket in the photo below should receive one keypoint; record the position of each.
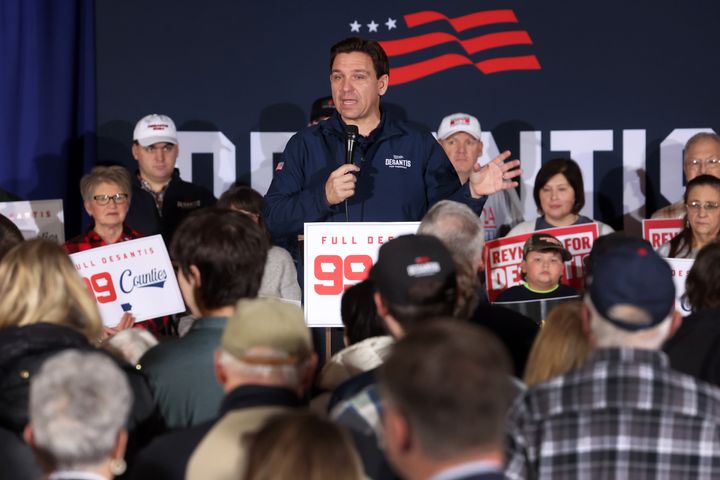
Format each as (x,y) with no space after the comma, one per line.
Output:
(23,351)
(180,199)
(167,457)
(695,347)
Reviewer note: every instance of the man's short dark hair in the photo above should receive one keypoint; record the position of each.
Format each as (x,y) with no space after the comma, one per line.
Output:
(429,299)
(228,249)
(359,314)
(369,47)
(450,380)
(570,170)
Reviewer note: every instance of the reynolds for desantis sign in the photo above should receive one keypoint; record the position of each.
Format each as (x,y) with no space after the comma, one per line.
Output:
(502,257)
(134,276)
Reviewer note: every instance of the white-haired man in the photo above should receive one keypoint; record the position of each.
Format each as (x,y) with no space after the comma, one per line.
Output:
(459,135)
(461,231)
(625,413)
(701,157)
(79,406)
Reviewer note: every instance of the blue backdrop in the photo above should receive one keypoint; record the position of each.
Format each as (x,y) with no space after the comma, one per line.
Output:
(47,92)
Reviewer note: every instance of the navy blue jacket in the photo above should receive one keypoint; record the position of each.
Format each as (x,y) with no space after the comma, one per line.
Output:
(180,199)
(403,172)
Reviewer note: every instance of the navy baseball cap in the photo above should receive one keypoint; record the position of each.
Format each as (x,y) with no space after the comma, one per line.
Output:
(632,275)
(414,270)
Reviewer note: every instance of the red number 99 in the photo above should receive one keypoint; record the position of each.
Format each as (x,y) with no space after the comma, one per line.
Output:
(102,284)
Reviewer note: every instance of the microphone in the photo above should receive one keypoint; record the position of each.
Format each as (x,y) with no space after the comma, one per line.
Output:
(351,133)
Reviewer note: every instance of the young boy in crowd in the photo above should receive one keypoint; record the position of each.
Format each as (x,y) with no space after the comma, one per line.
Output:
(542,268)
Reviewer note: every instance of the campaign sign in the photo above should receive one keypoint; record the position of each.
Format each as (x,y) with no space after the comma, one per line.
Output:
(680,269)
(337,256)
(134,276)
(661,230)
(503,256)
(37,218)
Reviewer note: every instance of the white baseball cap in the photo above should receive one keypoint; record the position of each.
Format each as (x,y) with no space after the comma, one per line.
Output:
(459,122)
(155,128)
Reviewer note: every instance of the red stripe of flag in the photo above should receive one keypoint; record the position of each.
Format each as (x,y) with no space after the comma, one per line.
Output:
(408,73)
(473,45)
(494,65)
(465,22)
(411,72)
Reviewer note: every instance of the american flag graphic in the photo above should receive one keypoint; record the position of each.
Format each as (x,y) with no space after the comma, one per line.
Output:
(472,44)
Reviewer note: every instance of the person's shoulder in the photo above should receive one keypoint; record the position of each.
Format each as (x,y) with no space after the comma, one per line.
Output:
(189,187)
(603,228)
(161,355)
(278,254)
(512,294)
(674,210)
(521,228)
(167,456)
(565,290)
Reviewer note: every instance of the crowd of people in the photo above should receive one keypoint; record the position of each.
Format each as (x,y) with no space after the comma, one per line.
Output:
(433,380)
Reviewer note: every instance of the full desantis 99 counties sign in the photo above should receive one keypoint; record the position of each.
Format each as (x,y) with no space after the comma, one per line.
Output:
(134,276)
(337,256)
(37,218)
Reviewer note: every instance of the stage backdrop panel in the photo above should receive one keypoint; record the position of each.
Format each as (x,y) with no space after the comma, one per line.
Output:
(619,86)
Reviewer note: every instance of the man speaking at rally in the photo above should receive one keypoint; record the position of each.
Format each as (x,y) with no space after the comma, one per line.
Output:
(361,165)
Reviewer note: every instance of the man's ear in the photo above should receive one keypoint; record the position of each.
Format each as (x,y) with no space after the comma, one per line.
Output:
(308,373)
(398,439)
(28,435)
(135,148)
(383,84)
(120,445)
(218,369)
(677,320)
(195,278)
(380,304)
(391,325)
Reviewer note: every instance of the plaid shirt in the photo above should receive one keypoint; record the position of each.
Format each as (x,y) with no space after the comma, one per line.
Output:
(159,197)
(362,412)
(623,415)
(92,240)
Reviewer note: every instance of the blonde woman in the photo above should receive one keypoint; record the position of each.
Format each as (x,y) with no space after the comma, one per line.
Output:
(46,308)
(560,346)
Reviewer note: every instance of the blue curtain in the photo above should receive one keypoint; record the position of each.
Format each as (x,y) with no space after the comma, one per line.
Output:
(47,95)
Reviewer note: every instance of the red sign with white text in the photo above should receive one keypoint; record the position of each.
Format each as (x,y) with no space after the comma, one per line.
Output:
(661,230)
(503,256)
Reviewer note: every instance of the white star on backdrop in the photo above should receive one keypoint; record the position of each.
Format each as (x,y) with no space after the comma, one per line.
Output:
(355,26)
(372,26)
(391,23)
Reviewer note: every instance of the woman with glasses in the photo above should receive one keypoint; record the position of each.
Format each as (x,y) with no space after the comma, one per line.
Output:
(106,196)
(702,220)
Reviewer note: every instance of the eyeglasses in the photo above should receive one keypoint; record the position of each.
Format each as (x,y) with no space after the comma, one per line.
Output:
(709,163)
(708,206)
(167,148)
(105,199)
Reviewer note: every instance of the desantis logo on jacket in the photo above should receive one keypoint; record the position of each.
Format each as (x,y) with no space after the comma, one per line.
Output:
(419,56)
